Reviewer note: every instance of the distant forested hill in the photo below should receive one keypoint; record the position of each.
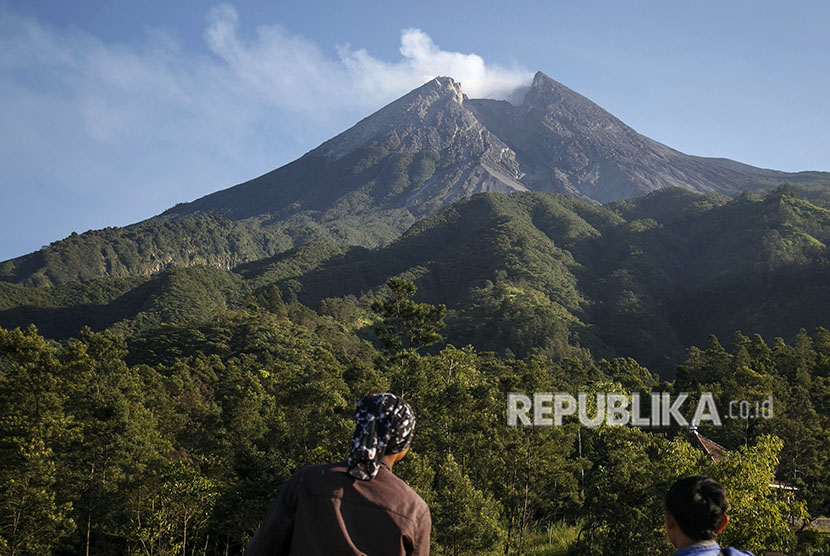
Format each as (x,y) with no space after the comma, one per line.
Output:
(519,273)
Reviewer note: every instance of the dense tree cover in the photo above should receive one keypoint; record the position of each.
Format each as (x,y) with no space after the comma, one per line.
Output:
(174,440)
(143,249)
(643,278)
(179,295)
(404,324)
(163,242)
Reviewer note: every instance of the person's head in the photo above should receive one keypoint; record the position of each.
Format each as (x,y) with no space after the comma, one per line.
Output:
(695,510)
(384,427)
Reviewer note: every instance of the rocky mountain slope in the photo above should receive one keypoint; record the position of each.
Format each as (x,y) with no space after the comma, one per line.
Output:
(420,153)
(556,141)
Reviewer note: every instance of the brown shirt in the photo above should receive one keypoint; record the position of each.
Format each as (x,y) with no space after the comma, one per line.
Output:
(323,510)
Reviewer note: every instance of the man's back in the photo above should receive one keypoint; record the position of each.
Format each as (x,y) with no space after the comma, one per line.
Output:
(323,510)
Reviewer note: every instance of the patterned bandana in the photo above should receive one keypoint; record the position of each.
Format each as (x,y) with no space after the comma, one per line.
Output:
(384,426)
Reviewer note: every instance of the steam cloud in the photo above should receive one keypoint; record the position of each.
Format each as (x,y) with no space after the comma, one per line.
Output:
(99,133)
(294,73)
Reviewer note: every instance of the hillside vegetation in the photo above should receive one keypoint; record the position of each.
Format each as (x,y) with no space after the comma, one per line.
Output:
(519,274)
(176,440)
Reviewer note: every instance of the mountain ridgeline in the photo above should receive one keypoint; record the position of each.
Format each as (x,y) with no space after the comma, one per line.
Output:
(420,153)
(521,273)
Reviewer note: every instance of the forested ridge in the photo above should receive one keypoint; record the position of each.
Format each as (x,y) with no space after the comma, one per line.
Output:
(643,278)
(175,440)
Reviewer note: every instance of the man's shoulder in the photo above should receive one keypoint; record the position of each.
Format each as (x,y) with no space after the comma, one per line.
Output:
(406,495)
(320,472)
(386,490)
(325,468)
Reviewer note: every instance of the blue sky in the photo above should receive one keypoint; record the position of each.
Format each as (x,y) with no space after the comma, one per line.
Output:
(111,112)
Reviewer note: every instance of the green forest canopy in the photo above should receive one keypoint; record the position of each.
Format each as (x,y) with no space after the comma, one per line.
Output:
(643,278)
(177,438)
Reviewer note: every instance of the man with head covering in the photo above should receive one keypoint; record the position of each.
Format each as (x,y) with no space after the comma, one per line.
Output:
(357,507)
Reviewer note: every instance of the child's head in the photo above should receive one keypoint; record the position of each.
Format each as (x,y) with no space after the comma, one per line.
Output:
(698,505)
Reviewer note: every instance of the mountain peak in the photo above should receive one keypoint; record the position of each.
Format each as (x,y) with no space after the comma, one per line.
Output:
(420,109)
(545,91)
(541,78)
(438,88)
(443,83)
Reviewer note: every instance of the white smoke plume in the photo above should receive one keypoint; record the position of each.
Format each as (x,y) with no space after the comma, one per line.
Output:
(294,73)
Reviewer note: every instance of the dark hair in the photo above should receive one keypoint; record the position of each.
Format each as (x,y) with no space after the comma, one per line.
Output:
(698,504)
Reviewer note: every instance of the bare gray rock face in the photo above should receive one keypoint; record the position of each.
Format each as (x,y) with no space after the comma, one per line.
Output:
(554,141)
(565,143)
(436,117)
